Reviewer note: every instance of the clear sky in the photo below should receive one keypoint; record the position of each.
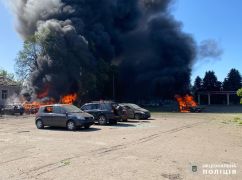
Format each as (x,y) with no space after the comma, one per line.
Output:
(10,41)
(204,19)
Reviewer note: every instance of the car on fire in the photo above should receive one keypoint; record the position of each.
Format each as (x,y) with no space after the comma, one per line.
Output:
(136,112)
(12,109)
(105,112)
(60,115)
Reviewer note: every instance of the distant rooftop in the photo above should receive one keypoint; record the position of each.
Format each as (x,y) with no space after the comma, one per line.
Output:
(4,81)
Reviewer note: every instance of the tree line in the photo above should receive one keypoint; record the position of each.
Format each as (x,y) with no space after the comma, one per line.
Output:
(210,82)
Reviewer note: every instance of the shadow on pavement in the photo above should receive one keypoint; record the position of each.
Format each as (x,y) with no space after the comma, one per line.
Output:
(91,129)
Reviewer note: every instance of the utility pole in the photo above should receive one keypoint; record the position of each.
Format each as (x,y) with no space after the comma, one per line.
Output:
(113,87)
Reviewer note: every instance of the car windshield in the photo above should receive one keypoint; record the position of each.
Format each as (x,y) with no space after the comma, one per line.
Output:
(72,109)
(134,106)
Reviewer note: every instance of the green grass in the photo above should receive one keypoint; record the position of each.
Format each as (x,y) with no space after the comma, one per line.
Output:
(237,119)
(66,162)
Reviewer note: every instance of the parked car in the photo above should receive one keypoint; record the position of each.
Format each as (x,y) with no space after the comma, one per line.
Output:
(104,112)
(122,111)
(136,112)
(59,115)
(196,109)
(12,109)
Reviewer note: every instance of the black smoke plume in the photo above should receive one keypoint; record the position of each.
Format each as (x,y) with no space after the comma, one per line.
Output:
(86,38)
(210,49)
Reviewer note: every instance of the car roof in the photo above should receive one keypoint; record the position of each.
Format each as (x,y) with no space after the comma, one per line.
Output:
(100,102)
(58,105)
(125,104)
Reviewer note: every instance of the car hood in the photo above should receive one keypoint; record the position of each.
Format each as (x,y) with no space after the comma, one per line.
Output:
(142,110)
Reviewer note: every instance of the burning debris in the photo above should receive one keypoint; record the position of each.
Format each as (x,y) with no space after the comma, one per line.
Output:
(33,107)
(84,38)
(187,104)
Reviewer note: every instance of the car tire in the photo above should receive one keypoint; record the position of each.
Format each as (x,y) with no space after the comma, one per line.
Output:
(125,120)
(137,116)
(102,120)
(39,124)
(87,126)
(115,122)
(70,125)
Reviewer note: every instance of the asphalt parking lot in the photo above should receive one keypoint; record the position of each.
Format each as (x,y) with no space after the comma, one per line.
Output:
(167,146)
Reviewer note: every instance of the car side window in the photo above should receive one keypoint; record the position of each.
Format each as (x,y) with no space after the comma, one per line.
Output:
(58,110)
(48,109)
(86,107)
(95,106)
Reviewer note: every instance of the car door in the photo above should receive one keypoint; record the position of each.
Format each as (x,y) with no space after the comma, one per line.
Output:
(130,112)
(59,116)
(46,116)
(92,109)
(96,110)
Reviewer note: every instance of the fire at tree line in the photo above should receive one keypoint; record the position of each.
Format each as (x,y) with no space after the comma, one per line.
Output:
(233,82)
(124,50)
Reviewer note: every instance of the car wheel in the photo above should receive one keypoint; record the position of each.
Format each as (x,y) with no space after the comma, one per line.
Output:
(137,116)
(71,126)
(102,120)
(125,120)
(115,122)
(39,124)
(86,126)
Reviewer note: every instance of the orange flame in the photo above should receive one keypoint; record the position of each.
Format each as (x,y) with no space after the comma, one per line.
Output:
(33,107)
(69,99)
(185,103)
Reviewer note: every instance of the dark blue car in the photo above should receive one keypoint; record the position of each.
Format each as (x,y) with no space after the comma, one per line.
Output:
(60,115)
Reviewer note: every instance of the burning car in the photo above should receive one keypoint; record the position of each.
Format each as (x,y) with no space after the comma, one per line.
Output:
(60,115)
(187,104)
(12,109)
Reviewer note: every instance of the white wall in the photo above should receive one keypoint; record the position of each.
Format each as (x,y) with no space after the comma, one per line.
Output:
(11,91)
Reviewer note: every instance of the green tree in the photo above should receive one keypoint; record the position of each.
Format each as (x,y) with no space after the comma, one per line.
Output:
(233,81)
(26,61)
(239,93)
(210,82)
(5,74)
(198,83)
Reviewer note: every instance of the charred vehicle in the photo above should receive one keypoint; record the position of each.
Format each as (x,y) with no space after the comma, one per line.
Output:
(105,112)
(13,110)
(136,112)
(58,115)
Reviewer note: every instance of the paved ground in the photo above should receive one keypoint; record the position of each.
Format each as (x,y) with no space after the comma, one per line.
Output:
(165,147)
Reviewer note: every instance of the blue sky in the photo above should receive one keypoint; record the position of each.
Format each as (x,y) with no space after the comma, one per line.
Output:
(203,19)
(10,41)
(215,19)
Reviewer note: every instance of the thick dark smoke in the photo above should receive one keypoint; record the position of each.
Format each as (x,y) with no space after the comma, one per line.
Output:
(152,54)
(210,49)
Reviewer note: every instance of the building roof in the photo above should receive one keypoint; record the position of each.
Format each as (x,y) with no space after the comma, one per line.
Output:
(4,81)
